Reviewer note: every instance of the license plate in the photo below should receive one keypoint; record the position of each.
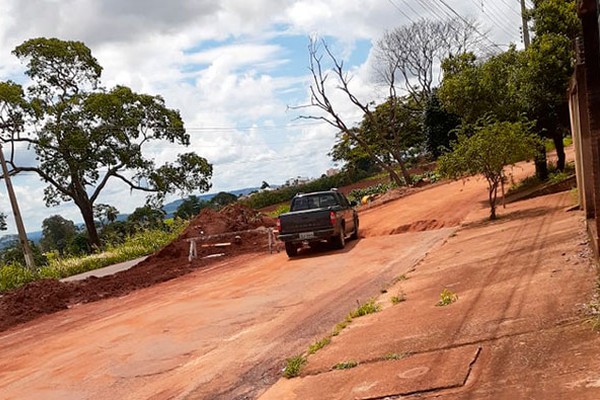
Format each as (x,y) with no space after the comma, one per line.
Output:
(306,235)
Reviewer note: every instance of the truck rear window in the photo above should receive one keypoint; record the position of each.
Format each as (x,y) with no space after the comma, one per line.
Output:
(310,202)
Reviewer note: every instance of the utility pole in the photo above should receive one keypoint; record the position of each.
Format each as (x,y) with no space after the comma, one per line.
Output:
(18,220)
(525,26)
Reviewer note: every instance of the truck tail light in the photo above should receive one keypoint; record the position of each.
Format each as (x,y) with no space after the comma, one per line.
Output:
(279,224)
(332,218)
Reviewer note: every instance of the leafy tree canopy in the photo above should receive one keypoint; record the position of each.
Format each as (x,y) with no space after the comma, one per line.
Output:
(491,147)
(57,233)
(190,207)
(85,136)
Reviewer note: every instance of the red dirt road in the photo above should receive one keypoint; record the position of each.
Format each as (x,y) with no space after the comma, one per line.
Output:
(216,333)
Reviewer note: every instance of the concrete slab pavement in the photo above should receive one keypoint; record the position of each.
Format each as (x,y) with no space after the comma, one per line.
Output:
(521,284)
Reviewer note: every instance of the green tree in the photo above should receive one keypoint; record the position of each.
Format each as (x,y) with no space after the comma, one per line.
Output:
(391,131)
(222,199)
(493,146)
(57,233)
(439,126)
(190,207)
(84,136)
(14,254)
(547,70)
(474,88)
(105,213)
(147,217)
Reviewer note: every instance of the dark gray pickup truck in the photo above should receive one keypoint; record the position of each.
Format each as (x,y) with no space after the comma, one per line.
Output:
(315,217)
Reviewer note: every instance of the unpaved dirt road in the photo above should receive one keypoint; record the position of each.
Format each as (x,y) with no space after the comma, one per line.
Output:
(225,331)
(218,333)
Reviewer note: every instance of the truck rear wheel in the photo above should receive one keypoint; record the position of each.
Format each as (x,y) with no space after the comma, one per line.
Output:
(339,242)
(355,232)
(291,249)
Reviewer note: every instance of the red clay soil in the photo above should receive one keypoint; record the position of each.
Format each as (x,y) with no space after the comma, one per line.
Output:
(49,295)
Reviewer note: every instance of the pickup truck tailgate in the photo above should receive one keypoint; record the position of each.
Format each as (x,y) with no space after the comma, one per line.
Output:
(305,221)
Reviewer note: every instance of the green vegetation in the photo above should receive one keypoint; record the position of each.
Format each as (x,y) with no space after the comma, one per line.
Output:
(85,136)
(282,209)
(285,194)
(554,176)
(380,188)
(313,348)
(340,326)
(447,297)
(490,147)
(137,245)
(399,298)
(369,307)
(345,365)
(396,356)
(293,366)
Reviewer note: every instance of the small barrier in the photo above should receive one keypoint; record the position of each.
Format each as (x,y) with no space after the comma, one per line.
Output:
(193,251)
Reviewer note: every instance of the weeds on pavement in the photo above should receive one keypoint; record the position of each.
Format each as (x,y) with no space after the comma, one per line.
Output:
(396,356)
(399,298)
(447,297)
(313,348)
(294,366)
(346,365)
(369,307)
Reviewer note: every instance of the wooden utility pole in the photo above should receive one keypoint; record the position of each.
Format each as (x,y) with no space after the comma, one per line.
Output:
(18,220)
(525,26)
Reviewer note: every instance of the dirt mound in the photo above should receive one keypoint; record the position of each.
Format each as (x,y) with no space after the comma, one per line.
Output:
(425,225)
(208,228)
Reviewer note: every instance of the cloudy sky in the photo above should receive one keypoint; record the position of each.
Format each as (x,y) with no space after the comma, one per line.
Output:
(232,67)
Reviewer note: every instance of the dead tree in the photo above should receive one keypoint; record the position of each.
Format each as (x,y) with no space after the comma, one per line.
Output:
(412,54)
(320,99)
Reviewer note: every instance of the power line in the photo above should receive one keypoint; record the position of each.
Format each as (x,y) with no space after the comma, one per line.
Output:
(431,6)
(471,25)
(401,11)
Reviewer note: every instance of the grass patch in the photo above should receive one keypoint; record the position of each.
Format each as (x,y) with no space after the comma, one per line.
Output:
(340,326)
(345,365)
(447,297)
(293,366)
(554,176)
(399,298)
(400,278)
(369,307)
(396,356)
(313,348)
(282,209)
(144,243)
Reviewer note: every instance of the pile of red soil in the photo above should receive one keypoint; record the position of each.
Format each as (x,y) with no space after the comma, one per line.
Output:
(234,224)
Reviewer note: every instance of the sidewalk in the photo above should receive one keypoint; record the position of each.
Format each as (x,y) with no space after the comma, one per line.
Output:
(516,331)
(110,270)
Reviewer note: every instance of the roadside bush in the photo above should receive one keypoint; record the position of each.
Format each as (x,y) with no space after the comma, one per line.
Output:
(14,275)
(138,245)
(380,188)
(284,194)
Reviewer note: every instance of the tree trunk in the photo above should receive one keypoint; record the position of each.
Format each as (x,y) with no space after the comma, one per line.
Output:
(402,164)
(87,213)
(492,196)
(393,174)
(557,138)
(541,167)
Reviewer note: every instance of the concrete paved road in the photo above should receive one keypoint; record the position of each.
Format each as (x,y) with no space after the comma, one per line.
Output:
(111,269)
